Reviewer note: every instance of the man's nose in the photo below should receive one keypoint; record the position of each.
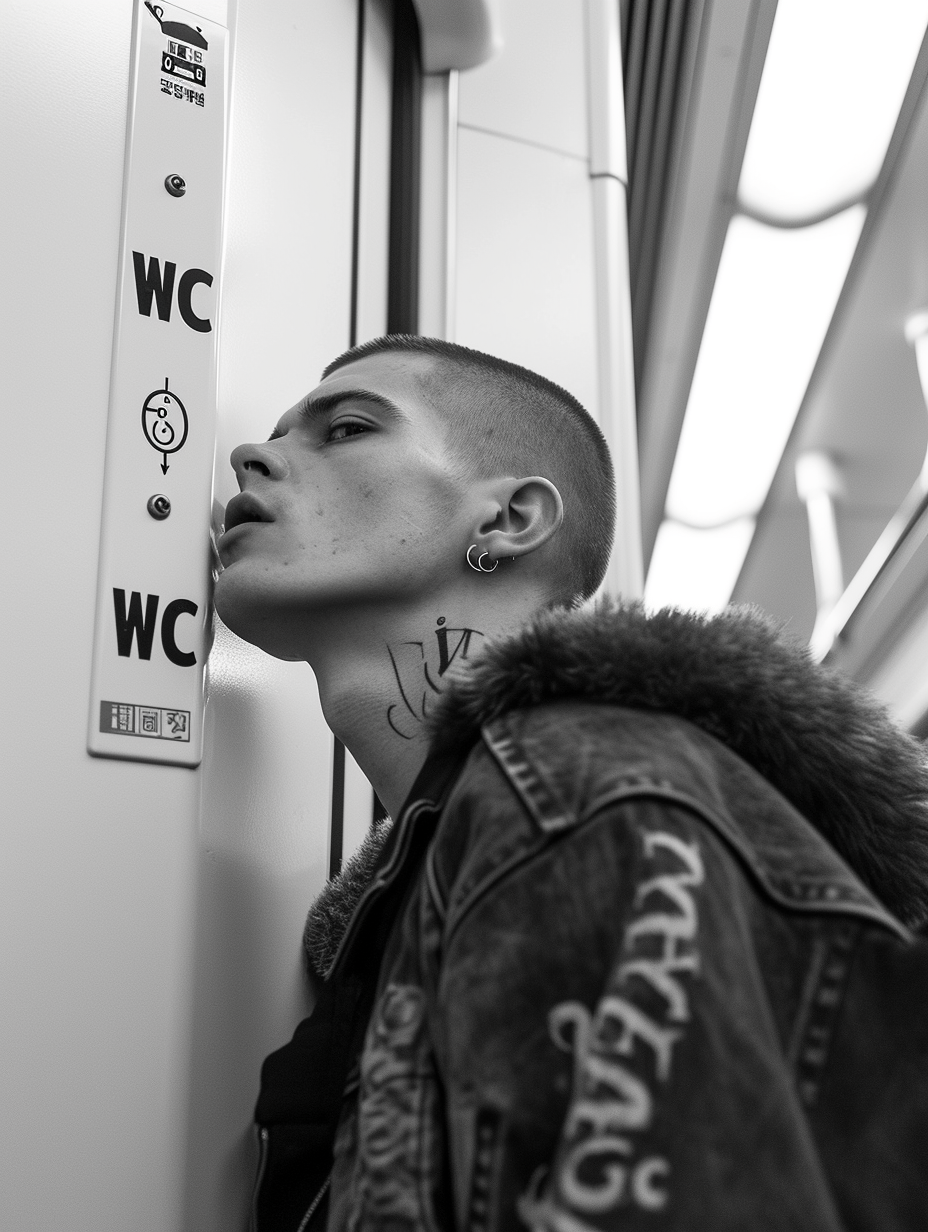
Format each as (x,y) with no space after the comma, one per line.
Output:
(261,460)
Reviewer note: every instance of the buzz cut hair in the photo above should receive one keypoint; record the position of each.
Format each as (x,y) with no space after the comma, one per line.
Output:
(507,420)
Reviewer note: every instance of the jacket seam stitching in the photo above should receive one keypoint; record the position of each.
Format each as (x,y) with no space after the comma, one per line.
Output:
(518,769)
(431,880)
(819,907)
(822,1011)
(807,996)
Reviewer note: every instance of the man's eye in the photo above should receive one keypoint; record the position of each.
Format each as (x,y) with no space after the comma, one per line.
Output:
(341,431)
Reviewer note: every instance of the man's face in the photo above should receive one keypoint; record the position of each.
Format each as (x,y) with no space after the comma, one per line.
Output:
(354,502)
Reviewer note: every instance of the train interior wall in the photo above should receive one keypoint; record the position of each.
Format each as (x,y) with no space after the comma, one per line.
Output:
(152,914)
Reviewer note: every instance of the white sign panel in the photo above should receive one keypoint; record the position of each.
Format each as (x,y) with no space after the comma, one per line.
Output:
(153,591)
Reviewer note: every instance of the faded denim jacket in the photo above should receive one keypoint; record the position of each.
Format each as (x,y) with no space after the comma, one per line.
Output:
(607,974)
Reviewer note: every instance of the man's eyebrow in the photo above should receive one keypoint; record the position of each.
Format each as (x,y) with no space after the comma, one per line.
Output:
(314,408)
(322,404)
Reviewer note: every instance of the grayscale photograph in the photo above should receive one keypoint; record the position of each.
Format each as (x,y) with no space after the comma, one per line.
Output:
(465,734)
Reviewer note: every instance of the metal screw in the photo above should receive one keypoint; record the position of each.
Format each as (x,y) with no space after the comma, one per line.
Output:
(159,507)
(175,184)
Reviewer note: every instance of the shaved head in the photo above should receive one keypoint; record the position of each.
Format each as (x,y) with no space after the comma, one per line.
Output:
(506,420)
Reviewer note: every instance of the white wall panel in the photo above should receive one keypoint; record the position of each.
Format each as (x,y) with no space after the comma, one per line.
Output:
(535,88)
(437,203)
(95,857)
(149,954)
(359,807)
(375,171)
(150,937)
(263,844)
(262,857)
(525,287)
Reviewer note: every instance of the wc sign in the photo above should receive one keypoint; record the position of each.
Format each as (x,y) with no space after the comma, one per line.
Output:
(153,586)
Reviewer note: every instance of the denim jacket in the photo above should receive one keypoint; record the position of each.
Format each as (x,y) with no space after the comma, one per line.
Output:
(608,975)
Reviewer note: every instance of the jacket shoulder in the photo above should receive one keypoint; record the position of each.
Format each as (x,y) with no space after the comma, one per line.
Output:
(567,761)
(821,741)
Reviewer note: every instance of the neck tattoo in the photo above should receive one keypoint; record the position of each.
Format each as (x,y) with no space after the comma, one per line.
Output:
(418,669)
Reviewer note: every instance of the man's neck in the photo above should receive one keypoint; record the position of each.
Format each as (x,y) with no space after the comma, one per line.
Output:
(379,687)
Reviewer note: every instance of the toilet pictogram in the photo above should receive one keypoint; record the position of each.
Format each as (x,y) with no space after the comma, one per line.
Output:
(164,422)
(186,45)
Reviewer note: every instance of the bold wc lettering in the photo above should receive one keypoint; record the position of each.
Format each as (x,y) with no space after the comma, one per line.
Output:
(183,658)
(153,284)
(132,625)
(188,280)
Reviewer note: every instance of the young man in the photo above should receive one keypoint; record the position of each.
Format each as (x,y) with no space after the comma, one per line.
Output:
(635,953)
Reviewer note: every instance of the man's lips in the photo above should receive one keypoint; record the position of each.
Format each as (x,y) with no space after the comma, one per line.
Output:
(243,509)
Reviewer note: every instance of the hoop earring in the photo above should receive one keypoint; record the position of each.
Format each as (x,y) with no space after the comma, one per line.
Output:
(478,568)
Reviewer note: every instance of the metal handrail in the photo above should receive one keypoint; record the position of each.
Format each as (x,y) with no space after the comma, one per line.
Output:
(895,546)
(900,539)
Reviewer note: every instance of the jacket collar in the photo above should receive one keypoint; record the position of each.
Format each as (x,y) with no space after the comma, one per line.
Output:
(816,737)
(359,897)
(821,741)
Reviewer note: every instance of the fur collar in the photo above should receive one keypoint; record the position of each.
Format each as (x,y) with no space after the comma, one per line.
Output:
(331,913)
(821,741)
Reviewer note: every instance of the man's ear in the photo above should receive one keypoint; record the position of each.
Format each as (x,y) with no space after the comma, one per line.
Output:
(524,515)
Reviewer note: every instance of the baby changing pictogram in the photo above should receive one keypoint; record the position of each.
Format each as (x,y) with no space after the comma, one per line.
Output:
(164,422)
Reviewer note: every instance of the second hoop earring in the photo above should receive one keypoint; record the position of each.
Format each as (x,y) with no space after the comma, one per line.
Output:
(479,567)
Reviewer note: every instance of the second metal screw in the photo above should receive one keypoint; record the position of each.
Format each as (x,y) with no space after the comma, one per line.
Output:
(159,507)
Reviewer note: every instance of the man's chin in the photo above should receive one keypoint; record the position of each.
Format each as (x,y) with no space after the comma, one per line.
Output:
(249,616)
